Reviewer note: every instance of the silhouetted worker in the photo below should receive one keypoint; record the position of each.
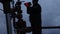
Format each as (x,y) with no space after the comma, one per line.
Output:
(35,16)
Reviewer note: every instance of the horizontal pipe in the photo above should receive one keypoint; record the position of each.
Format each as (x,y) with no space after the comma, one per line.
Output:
(51,27)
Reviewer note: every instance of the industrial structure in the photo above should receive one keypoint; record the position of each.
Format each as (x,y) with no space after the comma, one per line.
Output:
(16,12)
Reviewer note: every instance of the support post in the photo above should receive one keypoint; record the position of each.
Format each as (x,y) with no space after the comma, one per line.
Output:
(6,7)
(8,24)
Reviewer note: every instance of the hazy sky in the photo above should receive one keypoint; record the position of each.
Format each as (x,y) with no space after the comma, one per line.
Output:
(50,16)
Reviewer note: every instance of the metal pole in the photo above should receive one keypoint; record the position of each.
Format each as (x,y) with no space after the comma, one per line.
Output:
(8,23)
(6,6)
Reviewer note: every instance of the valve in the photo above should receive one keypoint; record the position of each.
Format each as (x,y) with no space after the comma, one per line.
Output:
(27,4)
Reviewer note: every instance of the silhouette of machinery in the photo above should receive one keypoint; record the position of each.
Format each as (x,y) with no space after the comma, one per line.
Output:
(16,12)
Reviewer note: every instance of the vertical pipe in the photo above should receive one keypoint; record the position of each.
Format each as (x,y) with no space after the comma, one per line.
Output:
(8,24)
(6,7)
